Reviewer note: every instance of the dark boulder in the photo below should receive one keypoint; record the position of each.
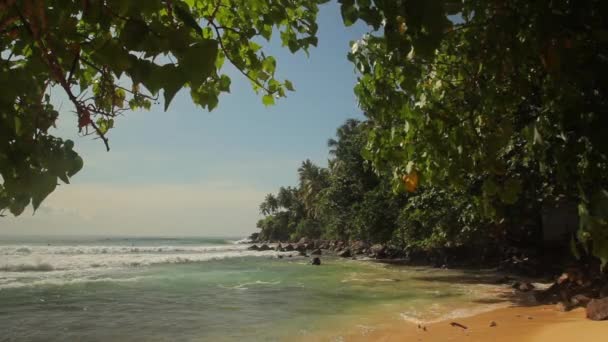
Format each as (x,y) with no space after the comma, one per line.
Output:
(254,248)
(359,247)
(346,253)
(288,248)
(315,261)
(378,251)
(580,300)
(563,307)
(604,291)
(304,241)
(264,247)
(316,252)
(597,309)
(523,286)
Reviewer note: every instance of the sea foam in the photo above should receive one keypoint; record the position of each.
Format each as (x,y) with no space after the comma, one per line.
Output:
(46,263)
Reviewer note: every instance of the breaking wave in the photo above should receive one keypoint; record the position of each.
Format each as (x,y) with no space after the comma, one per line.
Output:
(49,263)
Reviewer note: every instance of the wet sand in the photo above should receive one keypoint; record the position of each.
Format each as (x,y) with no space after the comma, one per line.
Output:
(516,323)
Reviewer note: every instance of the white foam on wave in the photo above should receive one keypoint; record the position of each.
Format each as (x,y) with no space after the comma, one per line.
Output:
(245,286)
(69,258)
(422,318)
(45,263)
(62,282)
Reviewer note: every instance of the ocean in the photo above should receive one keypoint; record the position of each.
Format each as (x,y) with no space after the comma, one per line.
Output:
(213,289)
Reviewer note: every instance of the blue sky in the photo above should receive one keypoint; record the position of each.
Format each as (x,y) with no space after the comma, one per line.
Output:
(191,172)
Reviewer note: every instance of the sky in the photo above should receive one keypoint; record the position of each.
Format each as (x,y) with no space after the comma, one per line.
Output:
(189,172)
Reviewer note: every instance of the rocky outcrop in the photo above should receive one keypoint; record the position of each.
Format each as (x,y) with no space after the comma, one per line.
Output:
(597,309)
(523,286)
(378,251)
(288,248)
(359,247)
(264,247)
(346,253)
(254,248)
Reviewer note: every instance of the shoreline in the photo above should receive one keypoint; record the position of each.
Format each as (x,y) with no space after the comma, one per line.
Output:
(513,323)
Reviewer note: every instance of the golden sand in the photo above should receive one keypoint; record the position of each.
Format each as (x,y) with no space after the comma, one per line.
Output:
(517,323)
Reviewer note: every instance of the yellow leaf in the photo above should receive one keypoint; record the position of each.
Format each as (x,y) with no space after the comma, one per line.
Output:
(411,181)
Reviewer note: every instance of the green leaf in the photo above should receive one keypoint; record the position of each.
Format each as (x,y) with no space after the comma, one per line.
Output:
(198,61)
(183,13)
(46,184)
(349,12)
(173,79)
(17,126)
(268,100)
(289,85)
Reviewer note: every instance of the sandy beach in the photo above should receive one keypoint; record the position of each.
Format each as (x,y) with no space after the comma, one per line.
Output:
(517,323)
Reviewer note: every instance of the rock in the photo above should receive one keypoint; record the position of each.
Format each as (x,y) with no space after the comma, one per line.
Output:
(604,291)
(280,256)
(316,252)
(304,241)
(358,247)
(264,247)
(345,253)
(503,280)
(523,286)
(580,300)
(597,309)
(288,248)
(563,307)
(254,248)
(548,296)
(378,251)
(279,248)
(316,261)
(493,324)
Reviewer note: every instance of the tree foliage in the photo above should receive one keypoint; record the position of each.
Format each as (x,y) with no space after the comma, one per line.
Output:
(351,202)
(110,56)
(496,91)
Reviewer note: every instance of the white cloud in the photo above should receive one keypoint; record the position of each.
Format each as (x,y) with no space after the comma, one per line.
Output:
(208,209)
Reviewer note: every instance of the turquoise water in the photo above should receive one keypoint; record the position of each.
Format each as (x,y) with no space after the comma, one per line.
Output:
(208,290)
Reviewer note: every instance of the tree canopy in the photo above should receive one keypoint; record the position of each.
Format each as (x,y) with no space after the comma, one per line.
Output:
(111,56)
(511,94)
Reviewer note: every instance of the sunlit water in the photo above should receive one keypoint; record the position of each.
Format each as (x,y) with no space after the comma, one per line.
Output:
(209,290)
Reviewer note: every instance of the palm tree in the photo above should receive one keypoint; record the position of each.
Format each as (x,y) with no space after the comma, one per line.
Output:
(313,179)
(269,206)
(343,134)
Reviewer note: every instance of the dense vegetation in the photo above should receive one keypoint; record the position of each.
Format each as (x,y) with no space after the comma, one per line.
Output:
(478,112)
(496,107)
(348,201)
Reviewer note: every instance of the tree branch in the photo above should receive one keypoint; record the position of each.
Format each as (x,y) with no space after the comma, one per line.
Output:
(221,42)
